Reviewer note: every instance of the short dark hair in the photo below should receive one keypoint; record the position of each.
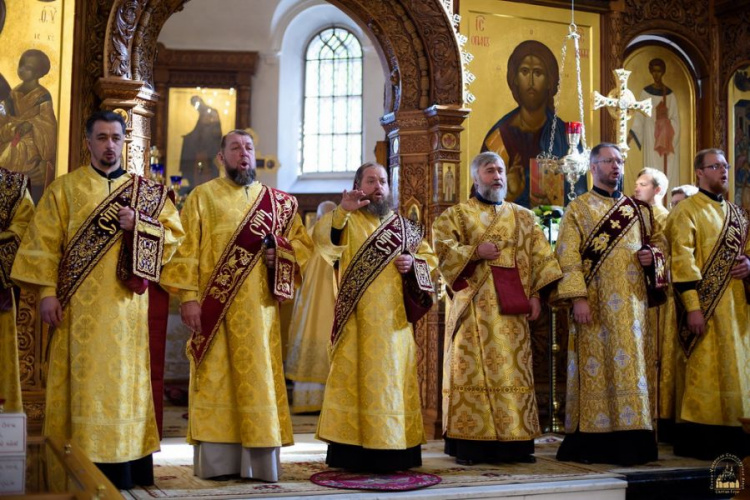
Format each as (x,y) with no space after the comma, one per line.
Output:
(595,151)
(698,162)
(656,61)
(237,131)
(361,172)
(104,116)
(45,64)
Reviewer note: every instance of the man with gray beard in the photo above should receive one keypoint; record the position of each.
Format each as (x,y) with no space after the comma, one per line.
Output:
(497,262)
(371,416)
(245,245)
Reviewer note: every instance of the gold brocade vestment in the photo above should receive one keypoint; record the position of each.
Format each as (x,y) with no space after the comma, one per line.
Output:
(608,363)
(372,392)
(238,393)
(310,334)
(488,383)
(666,336)
(99,384)
(10,378)
(713,384)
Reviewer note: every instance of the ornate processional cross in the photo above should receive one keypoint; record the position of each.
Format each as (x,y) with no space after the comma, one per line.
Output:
(621,104)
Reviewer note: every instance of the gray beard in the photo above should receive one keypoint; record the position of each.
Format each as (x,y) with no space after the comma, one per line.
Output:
(493,195)
(241,177)
(379,208)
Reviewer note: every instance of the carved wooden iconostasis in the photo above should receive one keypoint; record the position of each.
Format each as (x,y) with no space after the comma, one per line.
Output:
(112,64)
(738,154)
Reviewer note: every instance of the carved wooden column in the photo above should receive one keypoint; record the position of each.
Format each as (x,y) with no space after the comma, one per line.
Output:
(425,172)
(138,102)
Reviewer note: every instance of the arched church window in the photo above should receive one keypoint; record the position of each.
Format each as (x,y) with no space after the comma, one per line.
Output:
(332,122)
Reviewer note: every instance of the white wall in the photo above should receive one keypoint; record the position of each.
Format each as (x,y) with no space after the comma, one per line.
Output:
(279,31)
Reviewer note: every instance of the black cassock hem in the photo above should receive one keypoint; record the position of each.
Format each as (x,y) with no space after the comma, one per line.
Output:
(708,442)
(126,475)
(620,447)
(468,450)
(359,459)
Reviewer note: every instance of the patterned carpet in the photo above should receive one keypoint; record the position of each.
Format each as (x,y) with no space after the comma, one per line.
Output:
(174,472)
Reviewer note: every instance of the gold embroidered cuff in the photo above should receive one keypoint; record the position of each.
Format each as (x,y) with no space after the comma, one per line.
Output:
(691,301)
(189,296)
(47,291)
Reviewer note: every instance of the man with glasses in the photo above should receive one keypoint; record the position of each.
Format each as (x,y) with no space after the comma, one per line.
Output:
(607,243)
(709,249)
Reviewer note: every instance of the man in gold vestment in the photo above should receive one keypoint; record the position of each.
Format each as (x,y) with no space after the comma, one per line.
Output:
(651,187)
(490,412)
(16,210)
(238,410)
(98,385)
(371,416)
(601,251)
(709,248)
(310,331)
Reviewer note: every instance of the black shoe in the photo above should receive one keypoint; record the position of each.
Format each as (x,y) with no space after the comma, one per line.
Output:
(225,477)
(464,461)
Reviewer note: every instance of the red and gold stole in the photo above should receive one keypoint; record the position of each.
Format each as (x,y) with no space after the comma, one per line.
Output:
(615,224)
(623,215)
(395,236)
(13,185)
(716,278)
(504,271)
(267,223)
(140,255)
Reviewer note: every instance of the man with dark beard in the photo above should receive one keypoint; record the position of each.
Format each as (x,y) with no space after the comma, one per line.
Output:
(496,260)
(371,416)
(606,244)
(244,247)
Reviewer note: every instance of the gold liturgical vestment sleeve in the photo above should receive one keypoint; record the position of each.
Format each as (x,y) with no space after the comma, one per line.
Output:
(713,385)
(664,320)
(98,385)
(372,393)
(610,375)
(10,376)
(312,320)
(488,383)
(238,393)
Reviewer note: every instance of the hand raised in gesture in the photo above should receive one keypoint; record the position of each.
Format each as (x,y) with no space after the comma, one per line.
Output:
(353,200)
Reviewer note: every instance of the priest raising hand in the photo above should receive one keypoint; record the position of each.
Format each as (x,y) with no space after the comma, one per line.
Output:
(374,423)
(354,200)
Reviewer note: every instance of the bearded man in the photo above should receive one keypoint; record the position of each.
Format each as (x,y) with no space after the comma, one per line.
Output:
(371,416)
(496,260)
(710,272)
(244,247)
